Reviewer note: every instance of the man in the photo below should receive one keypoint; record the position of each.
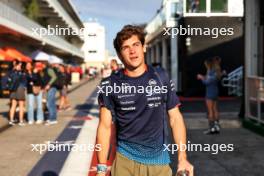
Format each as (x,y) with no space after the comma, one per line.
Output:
(139,116)
(50,78)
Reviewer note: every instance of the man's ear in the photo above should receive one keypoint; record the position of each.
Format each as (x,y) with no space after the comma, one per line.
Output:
(145,48)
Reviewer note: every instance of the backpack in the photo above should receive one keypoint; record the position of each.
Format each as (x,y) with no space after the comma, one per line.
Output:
(162,77)
(12,81)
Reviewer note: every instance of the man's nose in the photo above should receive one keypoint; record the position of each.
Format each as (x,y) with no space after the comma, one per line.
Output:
(131,50)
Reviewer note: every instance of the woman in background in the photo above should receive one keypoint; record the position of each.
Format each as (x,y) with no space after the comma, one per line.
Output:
(210,80)
(63,90)
(34,92)
(18,83)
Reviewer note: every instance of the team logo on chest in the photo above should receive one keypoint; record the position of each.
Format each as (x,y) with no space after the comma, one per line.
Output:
(152,82)
(152,87)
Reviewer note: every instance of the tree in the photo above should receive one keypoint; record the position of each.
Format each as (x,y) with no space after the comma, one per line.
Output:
(32,9)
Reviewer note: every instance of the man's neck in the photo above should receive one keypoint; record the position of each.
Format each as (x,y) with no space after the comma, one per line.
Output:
(136,72)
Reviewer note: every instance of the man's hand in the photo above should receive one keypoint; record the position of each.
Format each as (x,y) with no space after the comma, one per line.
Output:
(103,137)
(185,165)
(179,134)
(47,87)
(200,77)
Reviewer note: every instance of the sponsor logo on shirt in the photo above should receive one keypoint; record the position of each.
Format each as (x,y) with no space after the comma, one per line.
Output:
(126,102)
(153,98)
(123,96)
(104,82)
(154,105)
(128,108)
(151,105)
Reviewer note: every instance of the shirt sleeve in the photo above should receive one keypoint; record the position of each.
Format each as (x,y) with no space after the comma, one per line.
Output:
(53,76)
(105,98)
(172,98)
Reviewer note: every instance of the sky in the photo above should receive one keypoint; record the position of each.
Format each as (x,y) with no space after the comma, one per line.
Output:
(114,14)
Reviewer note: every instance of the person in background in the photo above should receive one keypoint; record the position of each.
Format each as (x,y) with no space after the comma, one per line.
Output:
(220,75)
(49,79)
(34,92)
(39,67)
(107,71)
(68,84)
(210,80)
(64,102)
(114,66)
(217,66)
(17,85)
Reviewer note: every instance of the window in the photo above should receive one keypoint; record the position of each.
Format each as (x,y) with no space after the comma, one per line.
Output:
(175,10)
(196,6)
(218,6)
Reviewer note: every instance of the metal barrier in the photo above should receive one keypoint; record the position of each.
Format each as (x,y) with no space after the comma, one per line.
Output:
(234,81)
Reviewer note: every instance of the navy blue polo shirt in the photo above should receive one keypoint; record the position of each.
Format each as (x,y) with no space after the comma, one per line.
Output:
(139,105)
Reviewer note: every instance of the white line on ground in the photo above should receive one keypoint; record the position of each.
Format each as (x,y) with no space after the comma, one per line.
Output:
(78,162)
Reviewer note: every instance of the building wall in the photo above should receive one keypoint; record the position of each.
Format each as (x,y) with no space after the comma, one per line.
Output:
(254,59)
(18,5)
(94,45)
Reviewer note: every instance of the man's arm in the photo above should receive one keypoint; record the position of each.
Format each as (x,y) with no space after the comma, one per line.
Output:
(179,135)
(53,78)
(104,134)
(52,75)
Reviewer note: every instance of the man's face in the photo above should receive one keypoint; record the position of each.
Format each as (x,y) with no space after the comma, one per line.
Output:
(132,52)
(113,66)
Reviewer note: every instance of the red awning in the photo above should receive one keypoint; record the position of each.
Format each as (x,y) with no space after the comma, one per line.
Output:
(4,56)
(15,54)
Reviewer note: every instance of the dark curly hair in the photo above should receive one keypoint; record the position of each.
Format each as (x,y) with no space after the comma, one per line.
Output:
(126,32)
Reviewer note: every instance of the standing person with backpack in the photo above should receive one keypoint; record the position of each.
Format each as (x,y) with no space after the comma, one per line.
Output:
(140,116)
(17,82)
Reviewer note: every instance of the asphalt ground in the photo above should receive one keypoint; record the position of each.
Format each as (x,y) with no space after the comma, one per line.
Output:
(78,126)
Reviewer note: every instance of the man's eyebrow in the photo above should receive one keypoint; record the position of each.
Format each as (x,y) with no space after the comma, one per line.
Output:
(131,44)
(136,42)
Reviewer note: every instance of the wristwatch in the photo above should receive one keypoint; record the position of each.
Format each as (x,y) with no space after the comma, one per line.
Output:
(101,168)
